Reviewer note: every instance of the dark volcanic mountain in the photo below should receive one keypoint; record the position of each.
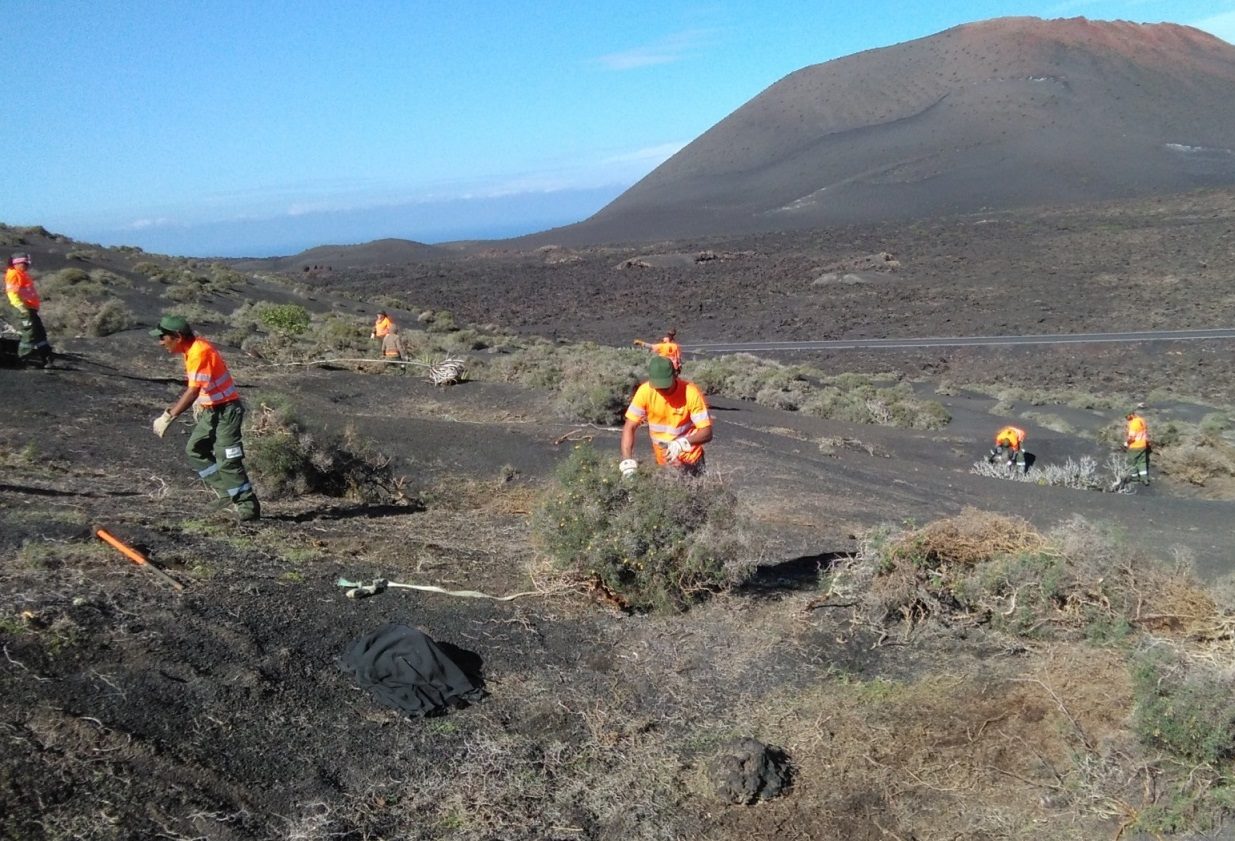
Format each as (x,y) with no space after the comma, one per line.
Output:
(1013,112)
(380,252)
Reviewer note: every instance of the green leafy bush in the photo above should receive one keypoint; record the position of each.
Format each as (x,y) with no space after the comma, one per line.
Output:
(288,319)
(654,542)
(1187,709)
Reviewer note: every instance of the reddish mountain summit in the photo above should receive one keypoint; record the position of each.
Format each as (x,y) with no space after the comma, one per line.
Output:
(1005,113)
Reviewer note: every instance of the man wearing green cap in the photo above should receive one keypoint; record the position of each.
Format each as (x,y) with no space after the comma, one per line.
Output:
(677,419)
(214,449)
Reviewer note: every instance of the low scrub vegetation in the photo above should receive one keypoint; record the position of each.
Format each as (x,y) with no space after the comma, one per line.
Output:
(854,398)
(81,303)
(1078,585)
(980,568)
(288,458)
(656,541)
(1077,473)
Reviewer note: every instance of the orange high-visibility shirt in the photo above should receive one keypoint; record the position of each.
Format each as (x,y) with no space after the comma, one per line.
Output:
(1010,436)
(382,326)
(671,351)
(670,414)
(19,286)
(207,371)
(1137,435)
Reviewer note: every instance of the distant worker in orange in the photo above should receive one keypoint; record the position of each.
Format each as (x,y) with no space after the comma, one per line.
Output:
(385,330)
(677,418)
(1008,443)
(666,347)
(214,448)
(1136,442)
(33,348)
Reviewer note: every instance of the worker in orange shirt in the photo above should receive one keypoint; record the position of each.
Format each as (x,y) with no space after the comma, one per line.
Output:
(385,330)
(677,419)
(33,348)
(666,347)
(1136,442)
(1008,443)
(214,449)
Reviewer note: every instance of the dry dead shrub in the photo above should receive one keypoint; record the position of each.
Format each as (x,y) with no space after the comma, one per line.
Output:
(986,569)
(966,539)
(1198,460)
(290,459)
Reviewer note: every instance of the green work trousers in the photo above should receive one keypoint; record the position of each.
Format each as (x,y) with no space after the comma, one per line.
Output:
(216,453)
(1138,465)
(33,343)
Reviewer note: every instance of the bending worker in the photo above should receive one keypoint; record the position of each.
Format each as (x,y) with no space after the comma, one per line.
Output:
(214,449)
(1136,442)
(677,419)
(666,347)
(1008,443)
(33,349)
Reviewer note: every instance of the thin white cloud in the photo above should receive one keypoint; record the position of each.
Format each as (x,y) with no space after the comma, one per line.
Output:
(1222,25)
(147,223)
(667,50)
(659,154)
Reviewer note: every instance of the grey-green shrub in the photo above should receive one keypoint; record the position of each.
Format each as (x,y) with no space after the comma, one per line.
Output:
(656,541)
(288,458)
(1187,709)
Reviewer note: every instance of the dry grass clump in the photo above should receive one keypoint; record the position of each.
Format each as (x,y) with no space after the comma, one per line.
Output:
(966,539)
(1198,459)
(986,569)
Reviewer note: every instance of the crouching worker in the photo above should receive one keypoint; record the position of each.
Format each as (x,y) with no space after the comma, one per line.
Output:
(1007,448)
(677,419)
(214,449)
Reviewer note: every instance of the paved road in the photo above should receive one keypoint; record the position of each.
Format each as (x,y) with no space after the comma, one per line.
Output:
(965,341)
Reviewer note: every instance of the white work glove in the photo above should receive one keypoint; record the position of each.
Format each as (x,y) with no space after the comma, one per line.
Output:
(678,448)
(162,422)
(628,466)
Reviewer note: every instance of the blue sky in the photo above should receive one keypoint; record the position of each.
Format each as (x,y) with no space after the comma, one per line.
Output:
(255,127)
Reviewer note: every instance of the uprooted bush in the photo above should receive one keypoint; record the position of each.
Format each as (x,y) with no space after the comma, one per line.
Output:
(985,569)
(657,541)
(289,459)
(1080,473)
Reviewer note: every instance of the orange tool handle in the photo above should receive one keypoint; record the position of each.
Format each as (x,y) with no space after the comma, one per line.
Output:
(135,556)
(130,553)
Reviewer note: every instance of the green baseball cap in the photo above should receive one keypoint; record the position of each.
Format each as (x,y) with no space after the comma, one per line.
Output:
(660,372)
(171,324)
